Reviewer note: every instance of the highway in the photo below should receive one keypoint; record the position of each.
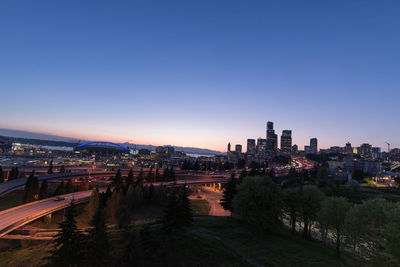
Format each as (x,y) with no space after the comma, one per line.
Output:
(16,217)
(9,186)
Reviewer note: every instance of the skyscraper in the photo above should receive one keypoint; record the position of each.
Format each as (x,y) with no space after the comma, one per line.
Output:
(229,147)
(261,147)
(238,148)
(272,138)
(286,141)
(313,145)
(251,146)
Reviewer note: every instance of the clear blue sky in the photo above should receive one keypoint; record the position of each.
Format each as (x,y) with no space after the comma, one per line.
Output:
(202,73)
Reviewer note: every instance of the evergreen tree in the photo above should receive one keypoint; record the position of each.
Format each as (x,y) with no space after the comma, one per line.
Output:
(60,190)
(139,181)
(27,187)
(117,181)
(229,194)
(108,192)
(62,169)
(43,193)
(70,243)
(31,189)
(243,174)
(69,188)
(166,174)
(171,211)
(177,212)
(11,174)
(184,205)
(16,173)
(150,175)
(129,178)
(34,190)
(151,192)
(157,175)
(172,175)
(98,243)
(1,175)
(50,170)
(93,205)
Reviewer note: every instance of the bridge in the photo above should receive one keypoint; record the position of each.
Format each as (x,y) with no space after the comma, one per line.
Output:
(16,217)
(9,186)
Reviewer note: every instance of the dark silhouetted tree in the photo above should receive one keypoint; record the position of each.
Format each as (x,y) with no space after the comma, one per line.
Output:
(50,170)
(62,169)
(117,180)
(229,194)
(98,243)
(43,192)
(70,244)
(1,175)
(69,187)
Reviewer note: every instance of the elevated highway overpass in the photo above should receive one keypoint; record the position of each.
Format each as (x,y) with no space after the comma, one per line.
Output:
(16,217)
(9,186)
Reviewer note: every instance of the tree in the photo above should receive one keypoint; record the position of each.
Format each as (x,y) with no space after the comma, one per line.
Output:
(15,174)
(43,192)
(172,176)
(1,175)
(69,188)
(50,170)
(392,232)
(323,174)
(157,175)
(177,212)
(229,194)
(117,180)
(129,178)
(310,203)
(98,243)
(60,190)
(11,174)
(184,205)
(334,211)
(31,189)
(62,169)
(70,243)
(93,205)
(372,218)
(258,201)
(291,205)
(150,175)
(166,174)
(242,175)
(271,173)
(139,181)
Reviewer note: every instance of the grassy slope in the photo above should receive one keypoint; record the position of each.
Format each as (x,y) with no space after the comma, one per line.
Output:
(216,241)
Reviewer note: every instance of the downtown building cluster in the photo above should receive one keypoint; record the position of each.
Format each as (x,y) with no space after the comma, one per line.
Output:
(265,149)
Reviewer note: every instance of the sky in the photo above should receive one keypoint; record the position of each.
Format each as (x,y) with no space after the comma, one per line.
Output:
(202,73)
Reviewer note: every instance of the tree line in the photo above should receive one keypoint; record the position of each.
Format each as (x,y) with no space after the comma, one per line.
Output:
(74,247)
(370,229)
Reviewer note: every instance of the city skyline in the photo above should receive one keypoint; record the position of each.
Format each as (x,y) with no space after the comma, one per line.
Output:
(202,74)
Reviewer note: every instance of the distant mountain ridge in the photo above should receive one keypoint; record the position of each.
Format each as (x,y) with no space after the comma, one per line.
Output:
(55,140)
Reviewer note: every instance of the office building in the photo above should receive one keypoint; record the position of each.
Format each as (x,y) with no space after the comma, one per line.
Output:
(251,146)
(286,141)
(229,147)
(272,138)
(313,146)
(238,149)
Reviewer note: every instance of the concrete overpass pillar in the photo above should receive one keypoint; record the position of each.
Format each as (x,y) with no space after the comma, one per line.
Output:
(219,186)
